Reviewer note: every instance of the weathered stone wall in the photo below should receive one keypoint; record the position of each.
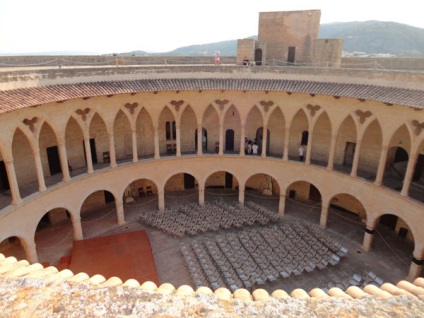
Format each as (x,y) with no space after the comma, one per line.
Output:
(245,50)
(327,53)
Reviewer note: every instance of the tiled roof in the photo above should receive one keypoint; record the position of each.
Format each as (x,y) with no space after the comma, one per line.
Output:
(34,291)
(25,97)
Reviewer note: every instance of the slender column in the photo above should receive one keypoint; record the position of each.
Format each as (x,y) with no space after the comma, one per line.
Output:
(330,164)
(76,224)
(64,161)
(286,143)
(201,195)
(241,194)
(134,145)
(282,205)
(324,216)
(88,155)
(156,141)
(356,157)
(309,150)
(264,140)
(31,251)
(410,169)
(13,182)
(199,140)
(368,238)
(415,269)
(221,140)
(242,141)
(178,131)
(161,198)
(112,150)
(39,171)
(381,165)
(120,211)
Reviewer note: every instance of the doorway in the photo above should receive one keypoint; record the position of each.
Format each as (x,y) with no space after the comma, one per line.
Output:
(53,160)
(291,54)
(229,140)
(349,153)
(228,180)
(258,57)
(4,181)
(189,181)
(304,140)
(108,197)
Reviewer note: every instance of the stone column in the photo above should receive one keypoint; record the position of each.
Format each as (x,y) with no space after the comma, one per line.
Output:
(13,182)
(286,143)
(134,145)
(31,251)
(199,140)
(281,205)
(88,155)
(241,194)
(308,150)
(76,224)
(415,269)
(368,238)
(264,140)
(242,142)
(410,169)
(112,150)
(64,161)
(39,171)
(324,216)
(201,195)
(356,158)
(178,137)
(381,165)
(120,211)
(161,198)
(156,141)
(221,139)
(330,164)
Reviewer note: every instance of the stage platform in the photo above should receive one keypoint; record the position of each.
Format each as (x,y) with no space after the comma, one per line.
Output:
(125,255)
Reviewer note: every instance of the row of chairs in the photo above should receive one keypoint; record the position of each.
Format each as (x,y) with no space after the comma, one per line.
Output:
(256,255)
(194,218)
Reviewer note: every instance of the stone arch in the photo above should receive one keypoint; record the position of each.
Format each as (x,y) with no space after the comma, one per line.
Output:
(221,184)
(4,181)
(232,121)
(276,126)
(299,124)
(167,131)
(188,125)
(23,159)
(13,246)
(370,151)
(54,235)
(209,122)
(307,195)
(254,121)
(181,188)
(345,145)
(263,189)
(99,139)
(139,190)
(416,191)
(321,140)
(74,138)
(49,151)
(122,136)
(145,134)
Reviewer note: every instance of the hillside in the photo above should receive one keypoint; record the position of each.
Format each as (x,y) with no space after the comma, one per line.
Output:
(370,36)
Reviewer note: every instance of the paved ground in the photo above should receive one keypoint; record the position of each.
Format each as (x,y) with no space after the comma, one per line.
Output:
(390,257)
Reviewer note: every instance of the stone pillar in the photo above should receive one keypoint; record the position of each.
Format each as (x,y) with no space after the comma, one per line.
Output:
(64,161)
(264,140)
(178,132)
(281,205)
(201,195)
(134,145)
(39,171)
(409,173)
(368,238)
(88,155)
(415,269)
(120,211)
(241,194)
(381,165)
(156,141)
(324,216)
(221,139)
(31,251)
(76,224)
(242,141)
(308,150)
(161,198)
(13,182)
(199,140)
(356,157)
(330,164)
(112,150)
(286,143)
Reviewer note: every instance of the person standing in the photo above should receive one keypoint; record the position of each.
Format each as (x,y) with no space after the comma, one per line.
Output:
(217,58)
(255,148)
(301,153)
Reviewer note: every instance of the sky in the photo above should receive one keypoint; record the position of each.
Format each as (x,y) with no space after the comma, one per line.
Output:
(102,26)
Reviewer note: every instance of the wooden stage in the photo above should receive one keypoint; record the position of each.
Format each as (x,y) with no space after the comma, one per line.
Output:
(125,255)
